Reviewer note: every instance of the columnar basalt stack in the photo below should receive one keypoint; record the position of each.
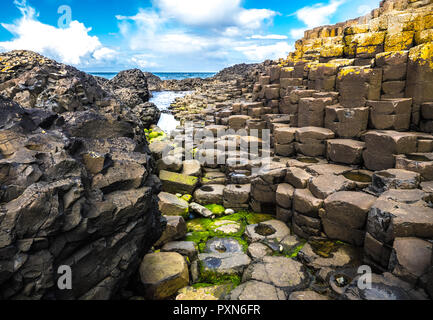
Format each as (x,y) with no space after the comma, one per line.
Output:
(369,82)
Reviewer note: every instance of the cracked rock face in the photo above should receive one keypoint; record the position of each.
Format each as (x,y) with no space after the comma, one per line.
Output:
(77,184)
(283,273)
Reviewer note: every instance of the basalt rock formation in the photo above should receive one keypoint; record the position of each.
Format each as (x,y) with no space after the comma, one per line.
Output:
(77,187)
(344,180)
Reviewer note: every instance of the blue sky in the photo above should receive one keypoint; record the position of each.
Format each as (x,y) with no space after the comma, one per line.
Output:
(166,35)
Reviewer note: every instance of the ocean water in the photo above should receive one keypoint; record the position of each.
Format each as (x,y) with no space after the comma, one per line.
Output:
(163,75)
(163,99)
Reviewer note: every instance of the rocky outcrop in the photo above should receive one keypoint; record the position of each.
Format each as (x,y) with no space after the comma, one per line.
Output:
(345,164)
(77,184)
(34,81)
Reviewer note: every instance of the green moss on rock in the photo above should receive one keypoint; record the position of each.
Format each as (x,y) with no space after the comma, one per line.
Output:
(216,209)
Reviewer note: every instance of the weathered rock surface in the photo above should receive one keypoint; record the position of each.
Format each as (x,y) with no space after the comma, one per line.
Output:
(283,273)
(77,187)
(256,290)
(163,274)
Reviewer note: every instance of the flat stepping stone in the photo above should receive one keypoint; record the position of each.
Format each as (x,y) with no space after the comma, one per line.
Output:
(209,194)
(258,250)
(281,272)
(325,185)
(204,294)
(269,230)
(307,296)
(177,183)
(223,263)
(226,227)
(319,169)
(256,290)
(323,253)
(221,245)
(170,205)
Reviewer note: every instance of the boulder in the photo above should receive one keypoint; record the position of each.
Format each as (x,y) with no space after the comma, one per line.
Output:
(410,259)
(210,194)
(171,205)
(191,168)
(348,208)
(285,195)
(178,183)
(175,230)
(304,202)
(221,264)
(297,177)
(324,185)
(185,248)
(269,230)
(345,151)
(163,274)
(346,123)
(218,292)
(200,210)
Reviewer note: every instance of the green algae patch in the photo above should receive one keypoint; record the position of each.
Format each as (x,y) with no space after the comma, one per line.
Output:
(173,182)
(249,217)
(186,197)
(209,276)
(226,228)
(153,136)
(216,209)
(295,251)
(198,225)
(198,237)
(255,218)
(202,285)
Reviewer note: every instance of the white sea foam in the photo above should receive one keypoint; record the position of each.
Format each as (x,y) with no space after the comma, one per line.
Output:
(162,100)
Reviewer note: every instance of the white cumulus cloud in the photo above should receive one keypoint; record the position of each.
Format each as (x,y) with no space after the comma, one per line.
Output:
(199,12)
(316,15)
(69,45)
(217,13)
(258,53)
(268,37)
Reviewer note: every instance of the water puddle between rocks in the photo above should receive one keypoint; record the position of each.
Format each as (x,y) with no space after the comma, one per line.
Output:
(162,100)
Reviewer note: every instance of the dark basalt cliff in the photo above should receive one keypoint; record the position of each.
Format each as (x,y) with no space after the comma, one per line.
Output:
(76,180)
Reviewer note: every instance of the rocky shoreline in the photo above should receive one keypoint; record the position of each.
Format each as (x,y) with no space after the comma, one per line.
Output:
(342,184)
(286,180)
